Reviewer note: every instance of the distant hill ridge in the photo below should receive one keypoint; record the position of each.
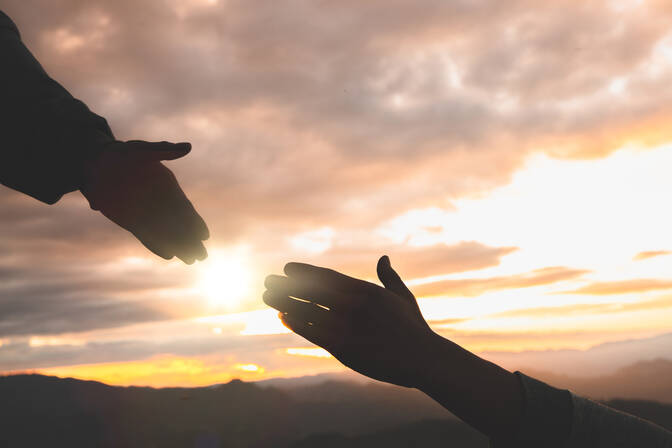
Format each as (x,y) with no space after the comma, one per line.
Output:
(645,380)
(38,410)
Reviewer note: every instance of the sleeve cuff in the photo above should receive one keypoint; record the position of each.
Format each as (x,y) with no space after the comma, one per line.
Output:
(547,416)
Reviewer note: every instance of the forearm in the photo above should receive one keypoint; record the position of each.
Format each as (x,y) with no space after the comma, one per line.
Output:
(479,392)
(48,136)
(515,410)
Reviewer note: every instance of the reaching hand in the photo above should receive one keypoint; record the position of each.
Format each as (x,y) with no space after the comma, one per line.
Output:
(131,187)
(376,331)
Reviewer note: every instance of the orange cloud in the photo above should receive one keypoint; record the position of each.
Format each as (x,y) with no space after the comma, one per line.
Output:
(588,308)
(622,287)
(651,254)
(298,126)
(413,262)
(162,371)
(476,287)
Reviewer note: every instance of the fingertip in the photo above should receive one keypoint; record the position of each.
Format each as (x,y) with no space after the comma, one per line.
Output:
(272,281)
(205,232)
(172,151)
(154,246)
(285,323)
(289,267)
(266,296)
(164,255)
(292,268)
(188,260)
(201,252)
(383,266)
(383,262)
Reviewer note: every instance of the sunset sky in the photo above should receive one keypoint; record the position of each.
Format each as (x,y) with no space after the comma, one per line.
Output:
(512,158)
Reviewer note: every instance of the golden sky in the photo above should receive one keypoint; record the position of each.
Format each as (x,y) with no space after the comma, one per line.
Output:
(512,160)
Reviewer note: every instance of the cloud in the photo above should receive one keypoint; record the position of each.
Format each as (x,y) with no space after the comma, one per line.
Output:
(391,105)
(599,359)
(622,287)
(476,287)
(413,262)
(589,308)
(651,254)
(308,115)
(357,91)
(55,287)
(19,354)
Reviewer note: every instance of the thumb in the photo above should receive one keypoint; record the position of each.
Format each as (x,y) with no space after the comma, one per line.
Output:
(391,280)
(156,151)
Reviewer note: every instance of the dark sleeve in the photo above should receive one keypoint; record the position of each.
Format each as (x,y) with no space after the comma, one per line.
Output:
(547,416)
(557,418)
(597,426)
(46,135)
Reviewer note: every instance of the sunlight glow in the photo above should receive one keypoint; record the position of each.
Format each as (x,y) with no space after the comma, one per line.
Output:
(254,323)
(249,368)
(53,341)
(157,372)
(226,278)
(314,352)
(163,371)
(313,242)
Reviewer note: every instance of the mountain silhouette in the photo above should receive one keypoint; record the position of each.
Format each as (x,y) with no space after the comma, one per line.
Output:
(71,412)
(37,410)
(647,380)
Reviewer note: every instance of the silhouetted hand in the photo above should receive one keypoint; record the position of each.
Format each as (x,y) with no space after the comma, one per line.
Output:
(376,331)
(131,187)
(381,333)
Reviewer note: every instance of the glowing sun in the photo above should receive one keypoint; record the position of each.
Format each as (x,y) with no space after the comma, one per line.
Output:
(226,279)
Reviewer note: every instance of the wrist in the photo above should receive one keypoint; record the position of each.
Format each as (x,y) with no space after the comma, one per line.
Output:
(437,360)
(481,393)
(99,173)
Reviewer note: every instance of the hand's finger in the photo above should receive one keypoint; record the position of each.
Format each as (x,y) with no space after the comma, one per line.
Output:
(391,280)
(326,278)
(172,205)
(201,228)
(155,247)
(173,219)
(159,235)
(307,291)
(168,242)
(188,249)
(187,258)
(167,249)
(156,151)
(187,246)
(307,311)
(201,251)
(191,222)
(312,333)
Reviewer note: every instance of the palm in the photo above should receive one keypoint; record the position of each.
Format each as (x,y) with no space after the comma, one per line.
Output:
(368,328)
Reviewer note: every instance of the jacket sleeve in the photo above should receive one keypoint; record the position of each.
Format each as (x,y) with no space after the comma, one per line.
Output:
(557,418)
(596,425)
(46,136)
